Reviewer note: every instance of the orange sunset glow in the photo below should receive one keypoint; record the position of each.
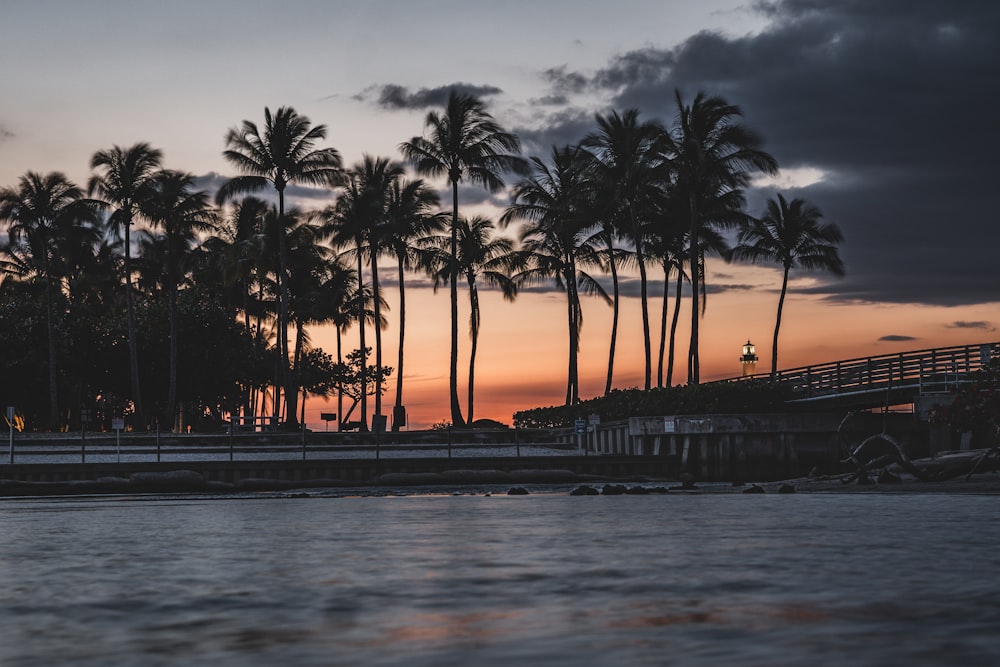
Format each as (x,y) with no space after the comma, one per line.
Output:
(918,238)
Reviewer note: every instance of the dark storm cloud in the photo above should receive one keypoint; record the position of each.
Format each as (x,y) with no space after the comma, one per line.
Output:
(893,100)
(896,338)
(563,82)
(392,96)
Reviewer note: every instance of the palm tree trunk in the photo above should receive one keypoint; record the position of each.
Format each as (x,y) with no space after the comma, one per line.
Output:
(402,331)
(287,379)
(133,345)
(361,343)
(673,325)
(614,318)
(53,370)
(573,316)
(340,383)
(663,323)
(378,332)
(637,234)
(456,409)
(172,372)
(777,323)
(474,331)
(694,370)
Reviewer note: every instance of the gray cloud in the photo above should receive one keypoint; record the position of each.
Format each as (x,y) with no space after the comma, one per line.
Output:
(891,100)
(395,97)
(984,326)
(5,133)
(896,338)
(564,82)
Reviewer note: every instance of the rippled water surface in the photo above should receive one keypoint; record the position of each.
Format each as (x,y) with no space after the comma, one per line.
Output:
(544,579)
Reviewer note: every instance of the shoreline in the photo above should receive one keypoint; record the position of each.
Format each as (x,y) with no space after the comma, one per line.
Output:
(478,482)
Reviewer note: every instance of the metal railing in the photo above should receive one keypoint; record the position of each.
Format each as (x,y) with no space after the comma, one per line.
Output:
(910,373)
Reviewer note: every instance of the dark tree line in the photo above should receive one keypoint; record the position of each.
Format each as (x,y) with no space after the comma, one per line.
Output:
(144,296)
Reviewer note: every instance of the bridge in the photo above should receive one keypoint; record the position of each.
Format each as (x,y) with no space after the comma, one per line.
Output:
(883,380)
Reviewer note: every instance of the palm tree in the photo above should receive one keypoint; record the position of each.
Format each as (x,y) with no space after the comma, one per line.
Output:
(313,298)
(629,163)
(241,261)
(556,240)
(465,142)
(342,289)
(124,179)
(49,221)
(791,234)
(281,153)
(482,256)
(359,218)
(411,215)
(709,151)
(183,213)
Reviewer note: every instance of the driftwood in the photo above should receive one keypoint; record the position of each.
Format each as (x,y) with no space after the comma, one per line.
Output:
(995,451)
(947,465)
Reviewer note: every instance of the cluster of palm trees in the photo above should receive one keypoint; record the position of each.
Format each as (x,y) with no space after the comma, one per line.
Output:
(633,194)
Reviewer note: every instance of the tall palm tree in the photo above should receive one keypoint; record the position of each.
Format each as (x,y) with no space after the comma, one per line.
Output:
(556,240)
(411,215)
(464,142)
(342,289)
(182,213)
(49,220)
(791,234)
(281,153)
(666,243)
(359,219)
(629,163)
(709,151)
(124,179)
(482,257)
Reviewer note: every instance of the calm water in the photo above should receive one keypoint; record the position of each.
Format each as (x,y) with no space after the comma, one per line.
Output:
(545,579)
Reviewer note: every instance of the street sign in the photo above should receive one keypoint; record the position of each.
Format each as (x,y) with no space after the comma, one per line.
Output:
(581,426)
(117,424)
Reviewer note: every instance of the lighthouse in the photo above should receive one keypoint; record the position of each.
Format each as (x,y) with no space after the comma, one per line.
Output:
(749,359)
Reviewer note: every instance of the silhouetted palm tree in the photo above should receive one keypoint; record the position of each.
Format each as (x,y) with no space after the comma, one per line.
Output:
(791,234)
(49,221)
(482,256)
(359,219)
(183,213)
(709,151)
(556,240)
(629,165)
(124,179)
(411,215)
(464,142)
(280,154)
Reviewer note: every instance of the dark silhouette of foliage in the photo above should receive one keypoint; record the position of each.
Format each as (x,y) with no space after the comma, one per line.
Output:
(711,398)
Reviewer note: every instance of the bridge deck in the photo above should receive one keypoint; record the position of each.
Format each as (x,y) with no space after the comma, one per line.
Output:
(891,379)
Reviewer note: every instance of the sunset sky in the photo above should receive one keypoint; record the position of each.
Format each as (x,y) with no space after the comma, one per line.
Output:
(882,114)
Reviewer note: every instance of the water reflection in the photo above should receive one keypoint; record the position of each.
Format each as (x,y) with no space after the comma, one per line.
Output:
(540,579)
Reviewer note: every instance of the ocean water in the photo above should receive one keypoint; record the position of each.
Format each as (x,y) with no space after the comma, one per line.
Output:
(543,579)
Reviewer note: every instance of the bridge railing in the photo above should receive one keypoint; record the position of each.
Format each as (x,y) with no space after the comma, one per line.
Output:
(926,370)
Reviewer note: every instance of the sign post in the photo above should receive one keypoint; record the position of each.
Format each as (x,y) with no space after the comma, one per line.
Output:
(118,425)
(580,426)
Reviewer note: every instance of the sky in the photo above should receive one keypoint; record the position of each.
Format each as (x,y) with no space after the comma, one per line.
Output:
(882,114)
